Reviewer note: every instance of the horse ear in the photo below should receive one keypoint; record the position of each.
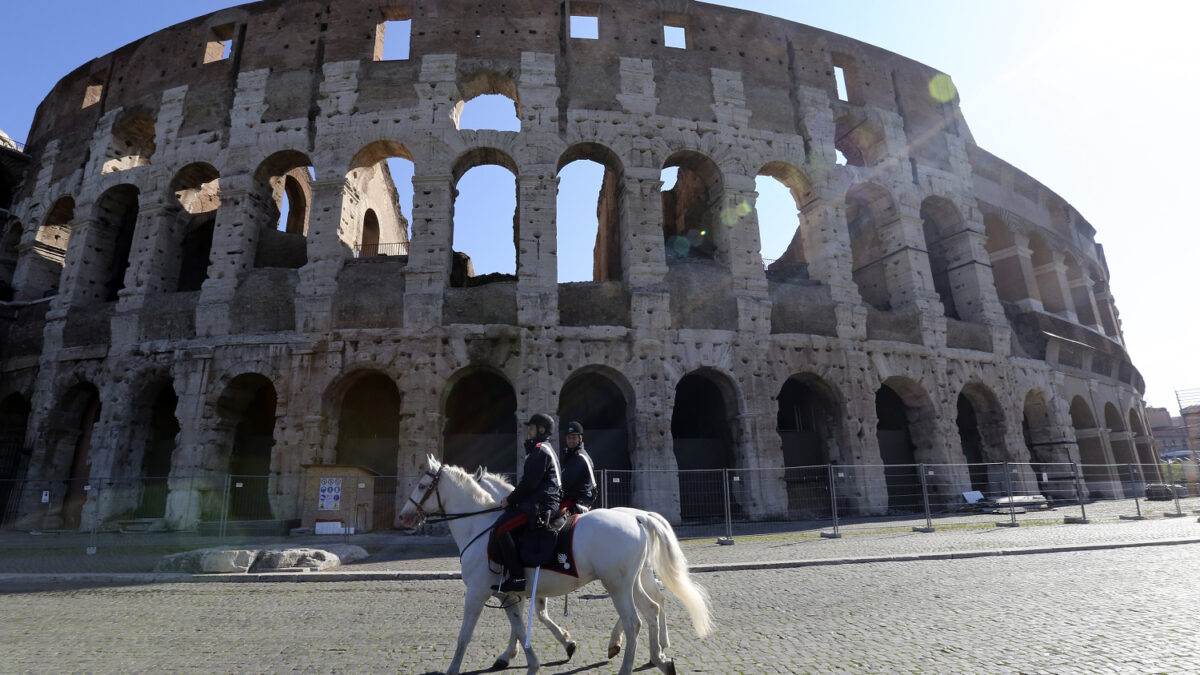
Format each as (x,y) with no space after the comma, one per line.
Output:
(479,474)
(432,462)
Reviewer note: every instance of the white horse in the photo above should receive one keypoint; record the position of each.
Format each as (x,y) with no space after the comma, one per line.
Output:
(497,486)
(609,545)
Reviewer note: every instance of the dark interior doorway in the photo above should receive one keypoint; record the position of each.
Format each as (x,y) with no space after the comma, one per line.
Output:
(481,424)
(897,452)
(703,448)
(369,437)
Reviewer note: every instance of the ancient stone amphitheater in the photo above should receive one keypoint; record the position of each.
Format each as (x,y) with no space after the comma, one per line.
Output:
(209,273)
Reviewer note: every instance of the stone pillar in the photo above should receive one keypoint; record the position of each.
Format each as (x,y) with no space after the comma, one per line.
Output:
(827,247)
(644,255)
(235,238)
(85,276)
(967,263)
(330,243)
(1013,268)
(154,260)
(429,252)
(537,247)
(739,220)
(1052,282)
(1085,302)
(653,453)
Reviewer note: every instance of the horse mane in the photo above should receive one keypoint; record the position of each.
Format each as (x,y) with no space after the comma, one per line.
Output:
(467,482)
(484,477)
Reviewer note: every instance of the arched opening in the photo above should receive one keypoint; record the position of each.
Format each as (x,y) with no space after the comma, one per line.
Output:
(1081,292)
(481,423)
(80,411)
(45,260)
(369,437)
(1007,272)
(116,213)
(860,141)
(485,220)
(1144,444)
(1048,451)
(489,101)
(280,207)
(162,431)
(1124,452)
(807,420)
(197,189)
(972,445)
(783,192)
(132,141)
(981,425)
(870,210)
(941,221)
(247,408)
(14,457)
(588,173)
(691,205)
(599,403)
(1091,450)
(1046,271)
(381,174)
(897,451)
(369,248)
(702,439)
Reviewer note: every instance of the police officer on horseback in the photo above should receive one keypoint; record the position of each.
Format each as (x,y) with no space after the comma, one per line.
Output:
(535,499)
(578,476)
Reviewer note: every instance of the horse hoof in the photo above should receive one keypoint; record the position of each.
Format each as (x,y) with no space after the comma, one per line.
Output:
(669,667)
(571,646)
(613,650)
(500,664)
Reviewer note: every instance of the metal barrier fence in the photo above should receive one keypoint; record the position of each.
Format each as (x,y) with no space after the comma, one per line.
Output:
(101,524)
(381,250)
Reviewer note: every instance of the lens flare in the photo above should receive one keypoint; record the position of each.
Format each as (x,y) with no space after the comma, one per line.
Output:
(942,88)
(733,214)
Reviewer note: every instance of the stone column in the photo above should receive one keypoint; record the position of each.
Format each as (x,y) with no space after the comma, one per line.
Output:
(739,220)
(85,276)
(330,243)
(429,252)
(653,454)
(1013,269)
(1052,283)
(1085,302)
(643,253)
(235,238)
(827,247)
(537,247)
(154,260)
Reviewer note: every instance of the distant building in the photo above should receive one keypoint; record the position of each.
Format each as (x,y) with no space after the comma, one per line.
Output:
(1169,432)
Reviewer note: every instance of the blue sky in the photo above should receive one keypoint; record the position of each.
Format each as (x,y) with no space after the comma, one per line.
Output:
(1095,99)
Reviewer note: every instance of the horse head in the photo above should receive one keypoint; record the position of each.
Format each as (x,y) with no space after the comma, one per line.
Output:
(417,508)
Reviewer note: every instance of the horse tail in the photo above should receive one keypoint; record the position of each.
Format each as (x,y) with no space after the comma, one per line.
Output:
(672,569)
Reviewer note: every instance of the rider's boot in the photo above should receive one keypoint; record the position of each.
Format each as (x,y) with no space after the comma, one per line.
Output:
(515,583)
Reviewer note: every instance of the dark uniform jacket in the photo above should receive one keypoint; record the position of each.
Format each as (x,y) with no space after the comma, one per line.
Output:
(540,488)
(578,478)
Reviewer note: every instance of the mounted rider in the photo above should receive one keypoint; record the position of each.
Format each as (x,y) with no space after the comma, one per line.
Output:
(578,474)
(535,499)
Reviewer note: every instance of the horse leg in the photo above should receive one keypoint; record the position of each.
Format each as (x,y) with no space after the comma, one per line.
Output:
(560,634)
(614,640)
(505,657)
(623,600)
(655,590)
(516,619)
(652,612)
(471,609)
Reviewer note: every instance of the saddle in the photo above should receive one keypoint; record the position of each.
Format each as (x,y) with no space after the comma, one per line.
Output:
(551,548)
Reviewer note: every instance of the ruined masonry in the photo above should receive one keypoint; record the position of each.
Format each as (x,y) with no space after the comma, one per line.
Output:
(210,285)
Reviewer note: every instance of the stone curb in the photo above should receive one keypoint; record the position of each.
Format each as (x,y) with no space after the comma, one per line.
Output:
(431,575)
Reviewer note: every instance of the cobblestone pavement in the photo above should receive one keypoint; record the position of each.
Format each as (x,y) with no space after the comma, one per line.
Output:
(1107,611)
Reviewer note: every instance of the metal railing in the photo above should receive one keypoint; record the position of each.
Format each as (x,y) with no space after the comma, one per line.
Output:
(380,250)
(105,524)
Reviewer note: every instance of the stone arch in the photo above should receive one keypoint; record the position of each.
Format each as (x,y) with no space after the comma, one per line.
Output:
(981,425)
(792,262)
(377,195)
(132,141)
(39,267)
(1008,272)
(486,235)
(154,428)
(692,227)
(1045,269)
(704,434)
(480,421)
(1123,449)
(941,220)
(598,159)
(602,400)
(196,188)
(486,83)
(808,418)
(906,431)
(284,176)
(1144,444)
(115,215)
(368,434)
(69,442)
(860,140)
(246,412)
(870,209)
(1094,464)
(14,454)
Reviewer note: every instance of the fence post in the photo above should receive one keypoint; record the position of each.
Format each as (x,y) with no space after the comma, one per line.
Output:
(1081,519)
(1175,493)
(1132,477)
(224,509)
(728,538)
(832,505)
(95,499)
(1012,506)
(604,488)
(924,498)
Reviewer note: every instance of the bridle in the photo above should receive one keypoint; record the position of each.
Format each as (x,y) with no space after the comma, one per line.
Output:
(431,490)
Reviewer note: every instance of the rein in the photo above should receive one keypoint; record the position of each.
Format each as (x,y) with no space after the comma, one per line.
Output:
(447,517)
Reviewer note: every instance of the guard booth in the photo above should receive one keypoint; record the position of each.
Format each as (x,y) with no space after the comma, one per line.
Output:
(338,499)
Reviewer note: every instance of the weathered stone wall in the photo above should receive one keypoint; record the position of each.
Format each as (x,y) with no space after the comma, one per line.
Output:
(902,248)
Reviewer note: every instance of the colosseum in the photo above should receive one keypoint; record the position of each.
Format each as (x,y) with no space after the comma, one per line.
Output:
(210,280)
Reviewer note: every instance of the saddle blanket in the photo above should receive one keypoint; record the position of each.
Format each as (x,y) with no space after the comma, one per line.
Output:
(562,560)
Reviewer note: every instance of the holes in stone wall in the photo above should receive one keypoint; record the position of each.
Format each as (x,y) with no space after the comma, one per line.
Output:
(940,220)
(589,238)
(393,35)
(488,100)
(585,27)
(131,143)
(280,207)
(783,191)
(691,198)
(846,84)
(220,43)
(116,212)
(197,187)
(839,77)
(95,88)
(373,212)
(484,218)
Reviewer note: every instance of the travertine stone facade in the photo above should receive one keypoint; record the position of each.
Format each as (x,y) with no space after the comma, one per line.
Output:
(155,279)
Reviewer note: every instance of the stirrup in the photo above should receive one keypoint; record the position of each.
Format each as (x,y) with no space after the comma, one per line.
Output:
(515,585)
